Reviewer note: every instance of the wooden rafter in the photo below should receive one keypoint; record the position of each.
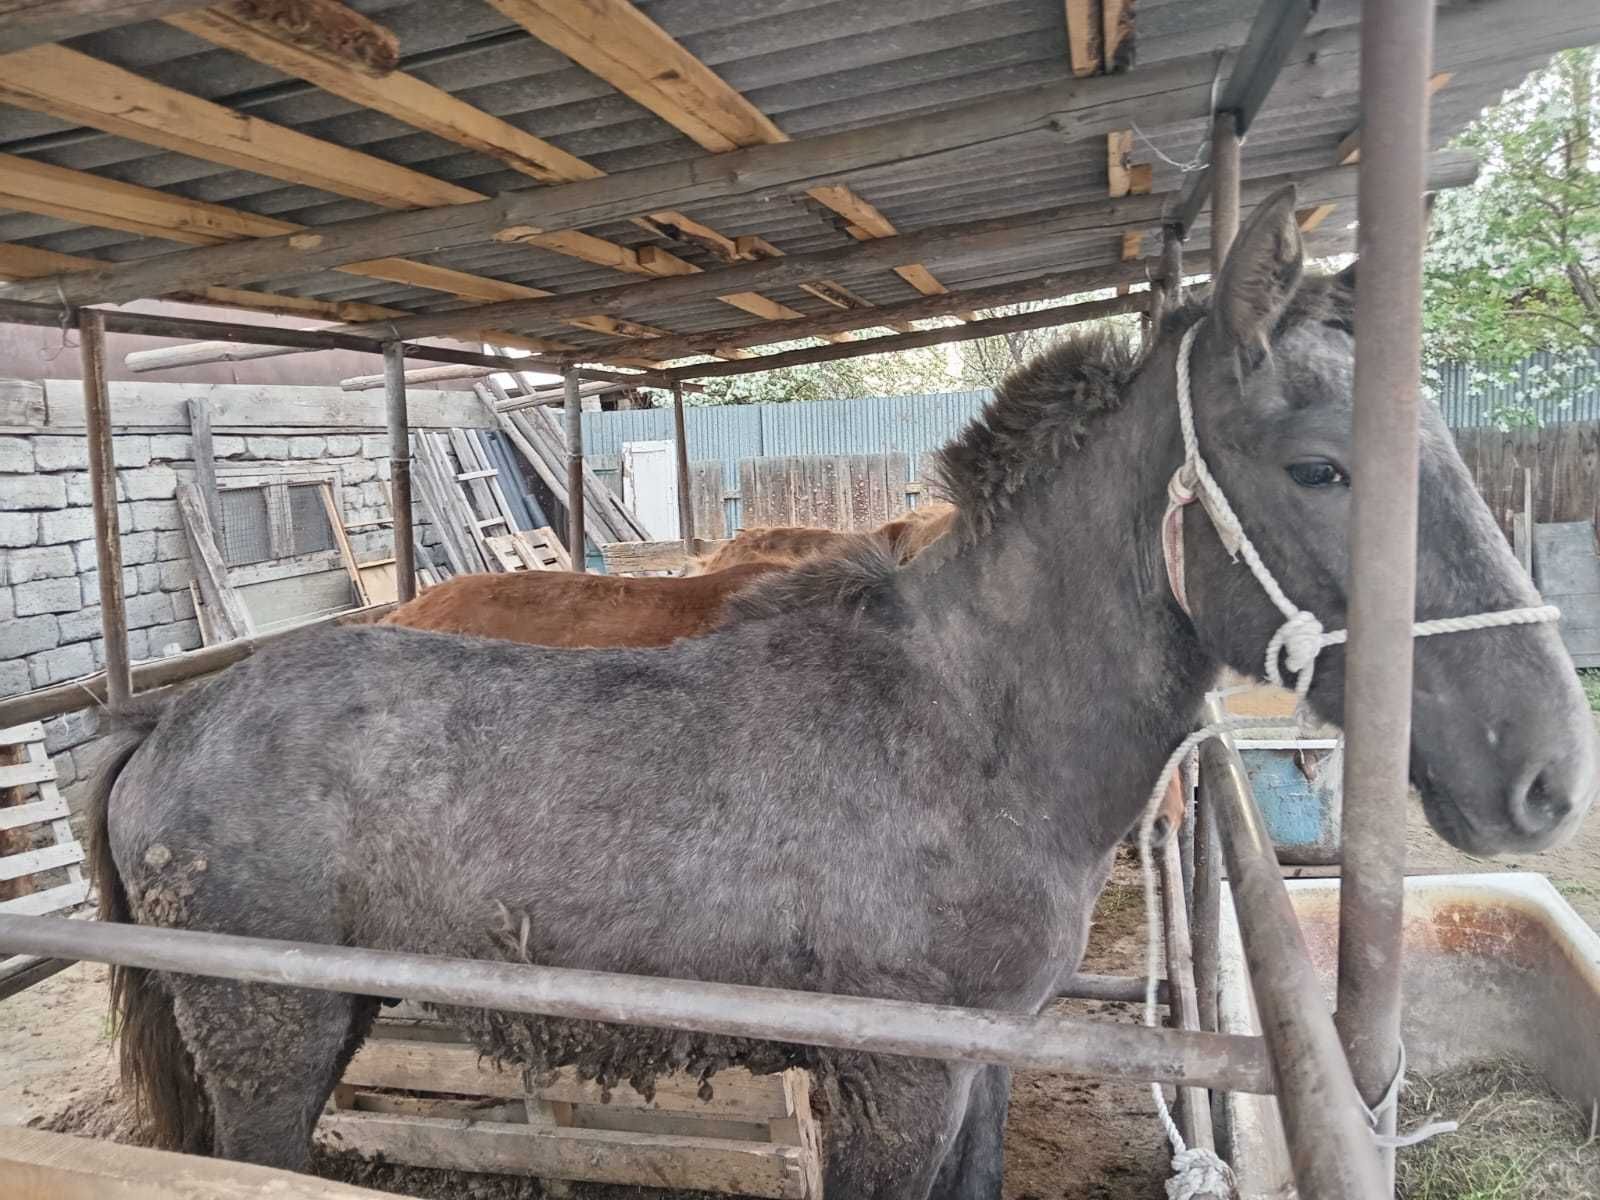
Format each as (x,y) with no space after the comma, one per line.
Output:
(424,106)
(1309,218)
(31,262)
(617,42)
(1099,35)
(1349,150)
(85,199)
(74,87)
(36,22)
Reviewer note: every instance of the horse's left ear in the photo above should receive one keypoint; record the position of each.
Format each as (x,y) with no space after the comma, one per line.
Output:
(1260,275)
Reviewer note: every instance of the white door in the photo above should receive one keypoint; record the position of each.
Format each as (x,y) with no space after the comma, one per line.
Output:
(650,486)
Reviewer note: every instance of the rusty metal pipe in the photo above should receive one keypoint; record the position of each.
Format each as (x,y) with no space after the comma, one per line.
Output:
(103,492)
(1331,1149)
(1396,52)
(1051,1043)
(573,412)
(405,546)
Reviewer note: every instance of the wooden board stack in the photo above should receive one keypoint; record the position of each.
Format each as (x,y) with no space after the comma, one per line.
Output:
(417,1093)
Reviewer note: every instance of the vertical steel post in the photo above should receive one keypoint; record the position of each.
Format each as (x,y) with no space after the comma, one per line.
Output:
(103,492)
(1207,908)
(680,438)
(405,552)
(573,412)
(1224,188)
(1396,53)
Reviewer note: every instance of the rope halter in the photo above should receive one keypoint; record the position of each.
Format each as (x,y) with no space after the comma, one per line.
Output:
(1301,637)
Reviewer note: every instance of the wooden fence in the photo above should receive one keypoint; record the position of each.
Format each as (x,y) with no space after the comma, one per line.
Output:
(1562,464)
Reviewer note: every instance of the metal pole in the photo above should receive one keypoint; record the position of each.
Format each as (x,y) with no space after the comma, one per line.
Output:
(1194,1104)
(573,411)
(1396,53)
(1330,1146)
(103,492)
(1224,188)
(1123,989)
(1051,1043)
(405,550)
(1207,908)
(1171,267)
(680,437)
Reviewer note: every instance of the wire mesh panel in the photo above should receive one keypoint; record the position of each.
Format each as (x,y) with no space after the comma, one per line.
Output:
(308,518)
(246,528)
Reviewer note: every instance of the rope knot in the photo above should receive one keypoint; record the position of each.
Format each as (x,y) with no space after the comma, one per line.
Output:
(1298,642)
(1200,1175)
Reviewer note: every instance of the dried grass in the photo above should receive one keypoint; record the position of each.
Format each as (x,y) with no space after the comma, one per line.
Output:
(1518,1139)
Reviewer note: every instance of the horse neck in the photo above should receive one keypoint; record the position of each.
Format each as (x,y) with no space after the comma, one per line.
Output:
(1060,620)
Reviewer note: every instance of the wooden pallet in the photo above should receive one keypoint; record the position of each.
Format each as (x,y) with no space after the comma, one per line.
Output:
(417,1093)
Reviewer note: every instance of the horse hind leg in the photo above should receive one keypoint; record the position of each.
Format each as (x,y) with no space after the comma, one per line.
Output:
(890,1124)
(974,1167)
(268,1058)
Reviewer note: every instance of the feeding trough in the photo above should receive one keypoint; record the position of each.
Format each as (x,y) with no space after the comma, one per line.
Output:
(1497,966)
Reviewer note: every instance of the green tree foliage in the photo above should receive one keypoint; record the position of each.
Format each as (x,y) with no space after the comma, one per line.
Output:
(1514,261)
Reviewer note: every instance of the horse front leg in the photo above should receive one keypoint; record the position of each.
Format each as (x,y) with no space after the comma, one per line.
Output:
(891,1124)
(973,1168)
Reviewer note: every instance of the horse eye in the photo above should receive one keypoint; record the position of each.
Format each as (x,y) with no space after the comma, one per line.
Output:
(1316,474)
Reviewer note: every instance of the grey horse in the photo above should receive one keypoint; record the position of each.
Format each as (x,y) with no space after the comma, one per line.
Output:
(897,782)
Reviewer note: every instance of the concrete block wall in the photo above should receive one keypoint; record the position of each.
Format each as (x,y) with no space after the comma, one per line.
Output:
(49,585)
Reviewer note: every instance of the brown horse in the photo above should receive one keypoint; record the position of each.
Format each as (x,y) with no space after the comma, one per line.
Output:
(908,535)
(567,611)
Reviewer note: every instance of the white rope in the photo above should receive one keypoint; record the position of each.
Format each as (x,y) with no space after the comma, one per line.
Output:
(1295,645)
(1391,1101)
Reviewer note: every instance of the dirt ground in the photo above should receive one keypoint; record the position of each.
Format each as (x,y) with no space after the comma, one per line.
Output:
(1067,1138)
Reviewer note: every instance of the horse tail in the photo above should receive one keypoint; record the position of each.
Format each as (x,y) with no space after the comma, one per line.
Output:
(157,1069)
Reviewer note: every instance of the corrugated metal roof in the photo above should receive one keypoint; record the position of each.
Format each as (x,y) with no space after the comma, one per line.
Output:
(812,67)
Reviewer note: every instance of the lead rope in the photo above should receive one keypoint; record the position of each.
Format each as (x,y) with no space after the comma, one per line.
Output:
(1295,645)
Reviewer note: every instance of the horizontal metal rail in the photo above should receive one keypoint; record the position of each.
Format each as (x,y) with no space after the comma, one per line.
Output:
(1092,1048)
(1330,1145)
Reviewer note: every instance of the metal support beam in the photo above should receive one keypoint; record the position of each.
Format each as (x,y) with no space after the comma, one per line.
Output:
(405,546)
(103,492)
(1207,908)
(1194,1104)
(1273,34)
(1224,188)
(680,439)
(1096,1048)
(573,412)
(1396,50)
(1330,1146)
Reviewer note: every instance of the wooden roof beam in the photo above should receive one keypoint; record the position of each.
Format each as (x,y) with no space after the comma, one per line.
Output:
(85,199)
(1164,94)
(424,106)
(1349,150)
(1447,169)
(617,42)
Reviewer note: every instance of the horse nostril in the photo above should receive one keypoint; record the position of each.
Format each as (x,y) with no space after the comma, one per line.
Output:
(1542,807)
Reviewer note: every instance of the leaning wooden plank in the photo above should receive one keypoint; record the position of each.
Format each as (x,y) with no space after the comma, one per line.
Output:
(593,1155)
(51,900)
(56,1166)
(460,557)
(22,774)
(22,971)
(14,866)
(17,816)
(228,613)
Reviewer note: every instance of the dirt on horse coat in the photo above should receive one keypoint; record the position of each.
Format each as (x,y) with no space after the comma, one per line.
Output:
(566,610)
(875,780)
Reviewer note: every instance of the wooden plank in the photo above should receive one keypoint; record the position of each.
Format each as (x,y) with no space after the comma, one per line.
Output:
(315,563)
(21,774)
(51,900)
(594,1155)
(18,735)
(55,1166)
(1116,30)
(33,812)
(103,495)
(1309,218)
(1119,145)
(14,866)
(21,971)
(205,462)
(227,611)
(1084,33)
(14,837)
(143,405)
(705,493)
(341,539)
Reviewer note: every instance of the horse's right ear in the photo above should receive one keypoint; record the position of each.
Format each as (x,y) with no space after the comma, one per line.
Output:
(1259,277)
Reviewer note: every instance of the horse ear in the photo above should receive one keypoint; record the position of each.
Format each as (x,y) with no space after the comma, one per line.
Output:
(1260,275)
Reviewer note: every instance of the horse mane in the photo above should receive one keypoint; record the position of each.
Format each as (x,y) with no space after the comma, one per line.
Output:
(861,572)
(1040,413)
